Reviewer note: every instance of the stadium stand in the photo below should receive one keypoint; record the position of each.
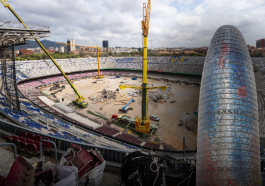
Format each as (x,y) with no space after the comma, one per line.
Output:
(80,68)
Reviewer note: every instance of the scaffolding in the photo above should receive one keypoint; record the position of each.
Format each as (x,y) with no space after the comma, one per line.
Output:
(12,34)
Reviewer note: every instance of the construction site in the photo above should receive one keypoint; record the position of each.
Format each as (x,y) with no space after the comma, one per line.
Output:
(105,98)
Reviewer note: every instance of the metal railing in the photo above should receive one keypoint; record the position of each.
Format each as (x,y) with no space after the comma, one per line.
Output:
(109,154)
(13,146)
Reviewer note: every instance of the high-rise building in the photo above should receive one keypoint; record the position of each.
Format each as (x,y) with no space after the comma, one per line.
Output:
(70,47)
(260,43)
(228,148)
(105,43)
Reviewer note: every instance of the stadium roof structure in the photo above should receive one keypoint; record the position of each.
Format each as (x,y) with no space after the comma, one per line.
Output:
(13,33)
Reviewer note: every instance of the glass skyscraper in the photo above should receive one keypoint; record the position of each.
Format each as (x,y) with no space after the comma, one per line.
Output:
(228,130)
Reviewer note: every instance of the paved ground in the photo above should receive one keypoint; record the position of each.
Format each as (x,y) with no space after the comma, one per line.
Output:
(186,97)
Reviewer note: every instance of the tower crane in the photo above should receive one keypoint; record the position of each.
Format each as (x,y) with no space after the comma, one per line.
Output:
(80,99)
(98,50)
(143,124)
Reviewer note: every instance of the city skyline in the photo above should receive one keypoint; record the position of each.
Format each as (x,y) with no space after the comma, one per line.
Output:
(174,23)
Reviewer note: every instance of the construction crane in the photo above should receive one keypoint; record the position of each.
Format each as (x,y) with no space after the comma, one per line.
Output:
(98,50)
(80,99)
(126,108)
(143,124)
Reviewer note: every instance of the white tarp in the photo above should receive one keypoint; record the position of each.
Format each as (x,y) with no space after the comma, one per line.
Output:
(63,108)
(94,176)
(68,175)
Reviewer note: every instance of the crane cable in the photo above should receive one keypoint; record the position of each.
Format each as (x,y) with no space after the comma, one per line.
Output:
(154,108)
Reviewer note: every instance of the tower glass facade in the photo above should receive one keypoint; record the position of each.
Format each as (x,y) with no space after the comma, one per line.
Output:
(105,44)
(228,130)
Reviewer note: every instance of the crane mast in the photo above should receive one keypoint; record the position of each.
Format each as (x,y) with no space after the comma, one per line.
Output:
(98,50)
(145,27)
(79,97)
(143,124)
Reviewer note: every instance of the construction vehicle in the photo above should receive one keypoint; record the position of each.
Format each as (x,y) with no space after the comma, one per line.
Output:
(55,86)
(126,108)
(98,50)
(126,120)
(155,118)
(143,124)
(113,118)
(154,128)
(79,98)
(59,90)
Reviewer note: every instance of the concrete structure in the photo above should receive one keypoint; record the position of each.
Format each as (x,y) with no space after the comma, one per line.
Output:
(228,130)
(105,44)
(70,47)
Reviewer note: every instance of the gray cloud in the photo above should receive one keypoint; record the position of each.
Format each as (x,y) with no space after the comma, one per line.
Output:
(173,22)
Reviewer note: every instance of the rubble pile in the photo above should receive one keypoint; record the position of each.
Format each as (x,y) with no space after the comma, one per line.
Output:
(158,95)
(105,95)
(189,120)
(134,93)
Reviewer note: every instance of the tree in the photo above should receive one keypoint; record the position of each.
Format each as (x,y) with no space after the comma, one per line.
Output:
(110,53)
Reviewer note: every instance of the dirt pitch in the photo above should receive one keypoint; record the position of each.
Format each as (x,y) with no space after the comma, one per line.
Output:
(186,97)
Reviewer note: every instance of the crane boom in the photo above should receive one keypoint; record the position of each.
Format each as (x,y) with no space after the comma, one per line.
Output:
(98,50)
(6,5)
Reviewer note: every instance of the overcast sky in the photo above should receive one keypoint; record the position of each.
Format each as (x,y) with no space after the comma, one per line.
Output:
(174,23)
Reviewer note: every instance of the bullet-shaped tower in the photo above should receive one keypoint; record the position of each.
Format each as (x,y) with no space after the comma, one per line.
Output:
(228,130)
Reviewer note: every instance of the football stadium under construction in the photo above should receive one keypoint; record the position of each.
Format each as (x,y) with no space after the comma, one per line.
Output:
(131,120)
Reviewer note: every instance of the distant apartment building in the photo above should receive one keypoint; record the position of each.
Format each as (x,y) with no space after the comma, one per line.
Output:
(110,49)
(105,44)
(71,46)
(50,51)
(76,52)
(201,50)
(260,43)
(118,49)
(25,52)
(61,49)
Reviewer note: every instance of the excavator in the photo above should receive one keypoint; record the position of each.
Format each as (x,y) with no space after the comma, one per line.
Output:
(79,99)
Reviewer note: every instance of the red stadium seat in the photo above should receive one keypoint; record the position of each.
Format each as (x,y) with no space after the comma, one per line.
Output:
(45,145)
(37,143)
(16,142)
(37,138)
(30,141)
(30,136)
(8,139)
(33,148)
(14,137)
(22,139)
(23,145)
(23,134)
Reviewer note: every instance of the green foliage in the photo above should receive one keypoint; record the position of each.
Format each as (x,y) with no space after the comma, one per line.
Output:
(258,55)
(56,55)
(59,55)
(157,140)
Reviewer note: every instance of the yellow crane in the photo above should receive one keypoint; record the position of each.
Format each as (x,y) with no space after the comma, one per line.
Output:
(143,124)
(98,50)
(80,99)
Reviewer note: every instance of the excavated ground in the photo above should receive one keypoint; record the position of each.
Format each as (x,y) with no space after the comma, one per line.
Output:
(186,99)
